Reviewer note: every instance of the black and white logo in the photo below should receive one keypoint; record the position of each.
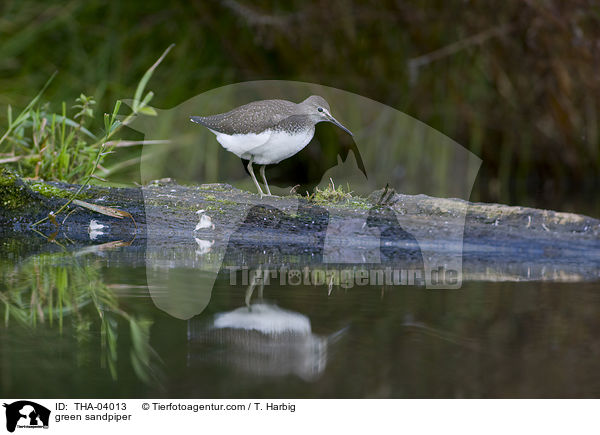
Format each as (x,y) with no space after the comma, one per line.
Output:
(25,414)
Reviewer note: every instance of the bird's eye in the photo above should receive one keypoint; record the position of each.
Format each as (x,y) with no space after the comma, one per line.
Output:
(320,109)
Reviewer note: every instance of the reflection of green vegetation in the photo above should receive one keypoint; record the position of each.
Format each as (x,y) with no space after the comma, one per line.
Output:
(50,289)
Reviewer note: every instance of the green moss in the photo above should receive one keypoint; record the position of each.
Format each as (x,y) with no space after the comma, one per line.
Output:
(331,195)
(360,203)
(217,187)
(12,196)
(215,208)
(52,192)
(226,202)
(49,191)
(337,197)
(210,198)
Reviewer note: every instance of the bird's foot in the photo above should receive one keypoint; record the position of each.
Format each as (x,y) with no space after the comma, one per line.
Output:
(387,197)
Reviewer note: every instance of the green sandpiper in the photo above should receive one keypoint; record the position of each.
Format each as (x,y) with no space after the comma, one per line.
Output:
(268,131)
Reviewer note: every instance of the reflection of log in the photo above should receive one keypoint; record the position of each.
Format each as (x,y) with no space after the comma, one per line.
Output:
(499,242)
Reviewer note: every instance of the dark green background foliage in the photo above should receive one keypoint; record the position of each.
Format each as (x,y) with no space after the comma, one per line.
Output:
(514,81)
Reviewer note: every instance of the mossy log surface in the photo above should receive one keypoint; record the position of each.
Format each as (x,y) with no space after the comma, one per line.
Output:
(495,242)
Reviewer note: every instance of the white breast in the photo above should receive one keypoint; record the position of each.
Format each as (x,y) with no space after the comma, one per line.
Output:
(240,144)
(280,146)
(267,147)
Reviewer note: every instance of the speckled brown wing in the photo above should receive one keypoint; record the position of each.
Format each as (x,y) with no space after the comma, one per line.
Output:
(253,117)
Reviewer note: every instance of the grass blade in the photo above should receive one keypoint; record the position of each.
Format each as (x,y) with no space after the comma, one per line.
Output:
(146,77)
(26,111)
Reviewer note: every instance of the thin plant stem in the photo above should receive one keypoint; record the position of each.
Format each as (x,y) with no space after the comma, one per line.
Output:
(65,205)
(111,127)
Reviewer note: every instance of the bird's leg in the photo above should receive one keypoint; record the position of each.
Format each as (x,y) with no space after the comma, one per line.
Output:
(254,177)
(249,291)
(262,174)
(255,276)
(261,288)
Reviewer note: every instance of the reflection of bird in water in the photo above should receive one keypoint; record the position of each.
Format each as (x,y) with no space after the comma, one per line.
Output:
(397,246)
(265,340)
(262,338)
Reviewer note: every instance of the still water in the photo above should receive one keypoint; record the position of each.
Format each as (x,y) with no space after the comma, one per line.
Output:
(83,324)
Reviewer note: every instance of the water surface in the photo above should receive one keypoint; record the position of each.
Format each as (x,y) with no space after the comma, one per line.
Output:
(83,323)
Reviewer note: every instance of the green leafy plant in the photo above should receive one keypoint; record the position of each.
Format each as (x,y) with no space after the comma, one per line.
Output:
(42,144)
(54,147)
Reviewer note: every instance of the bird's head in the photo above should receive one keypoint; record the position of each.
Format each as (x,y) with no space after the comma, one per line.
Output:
(318,109)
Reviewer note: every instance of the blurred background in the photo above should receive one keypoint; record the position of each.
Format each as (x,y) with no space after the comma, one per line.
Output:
(515,82)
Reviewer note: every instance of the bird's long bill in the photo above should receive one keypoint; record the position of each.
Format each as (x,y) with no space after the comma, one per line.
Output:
(336,122)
